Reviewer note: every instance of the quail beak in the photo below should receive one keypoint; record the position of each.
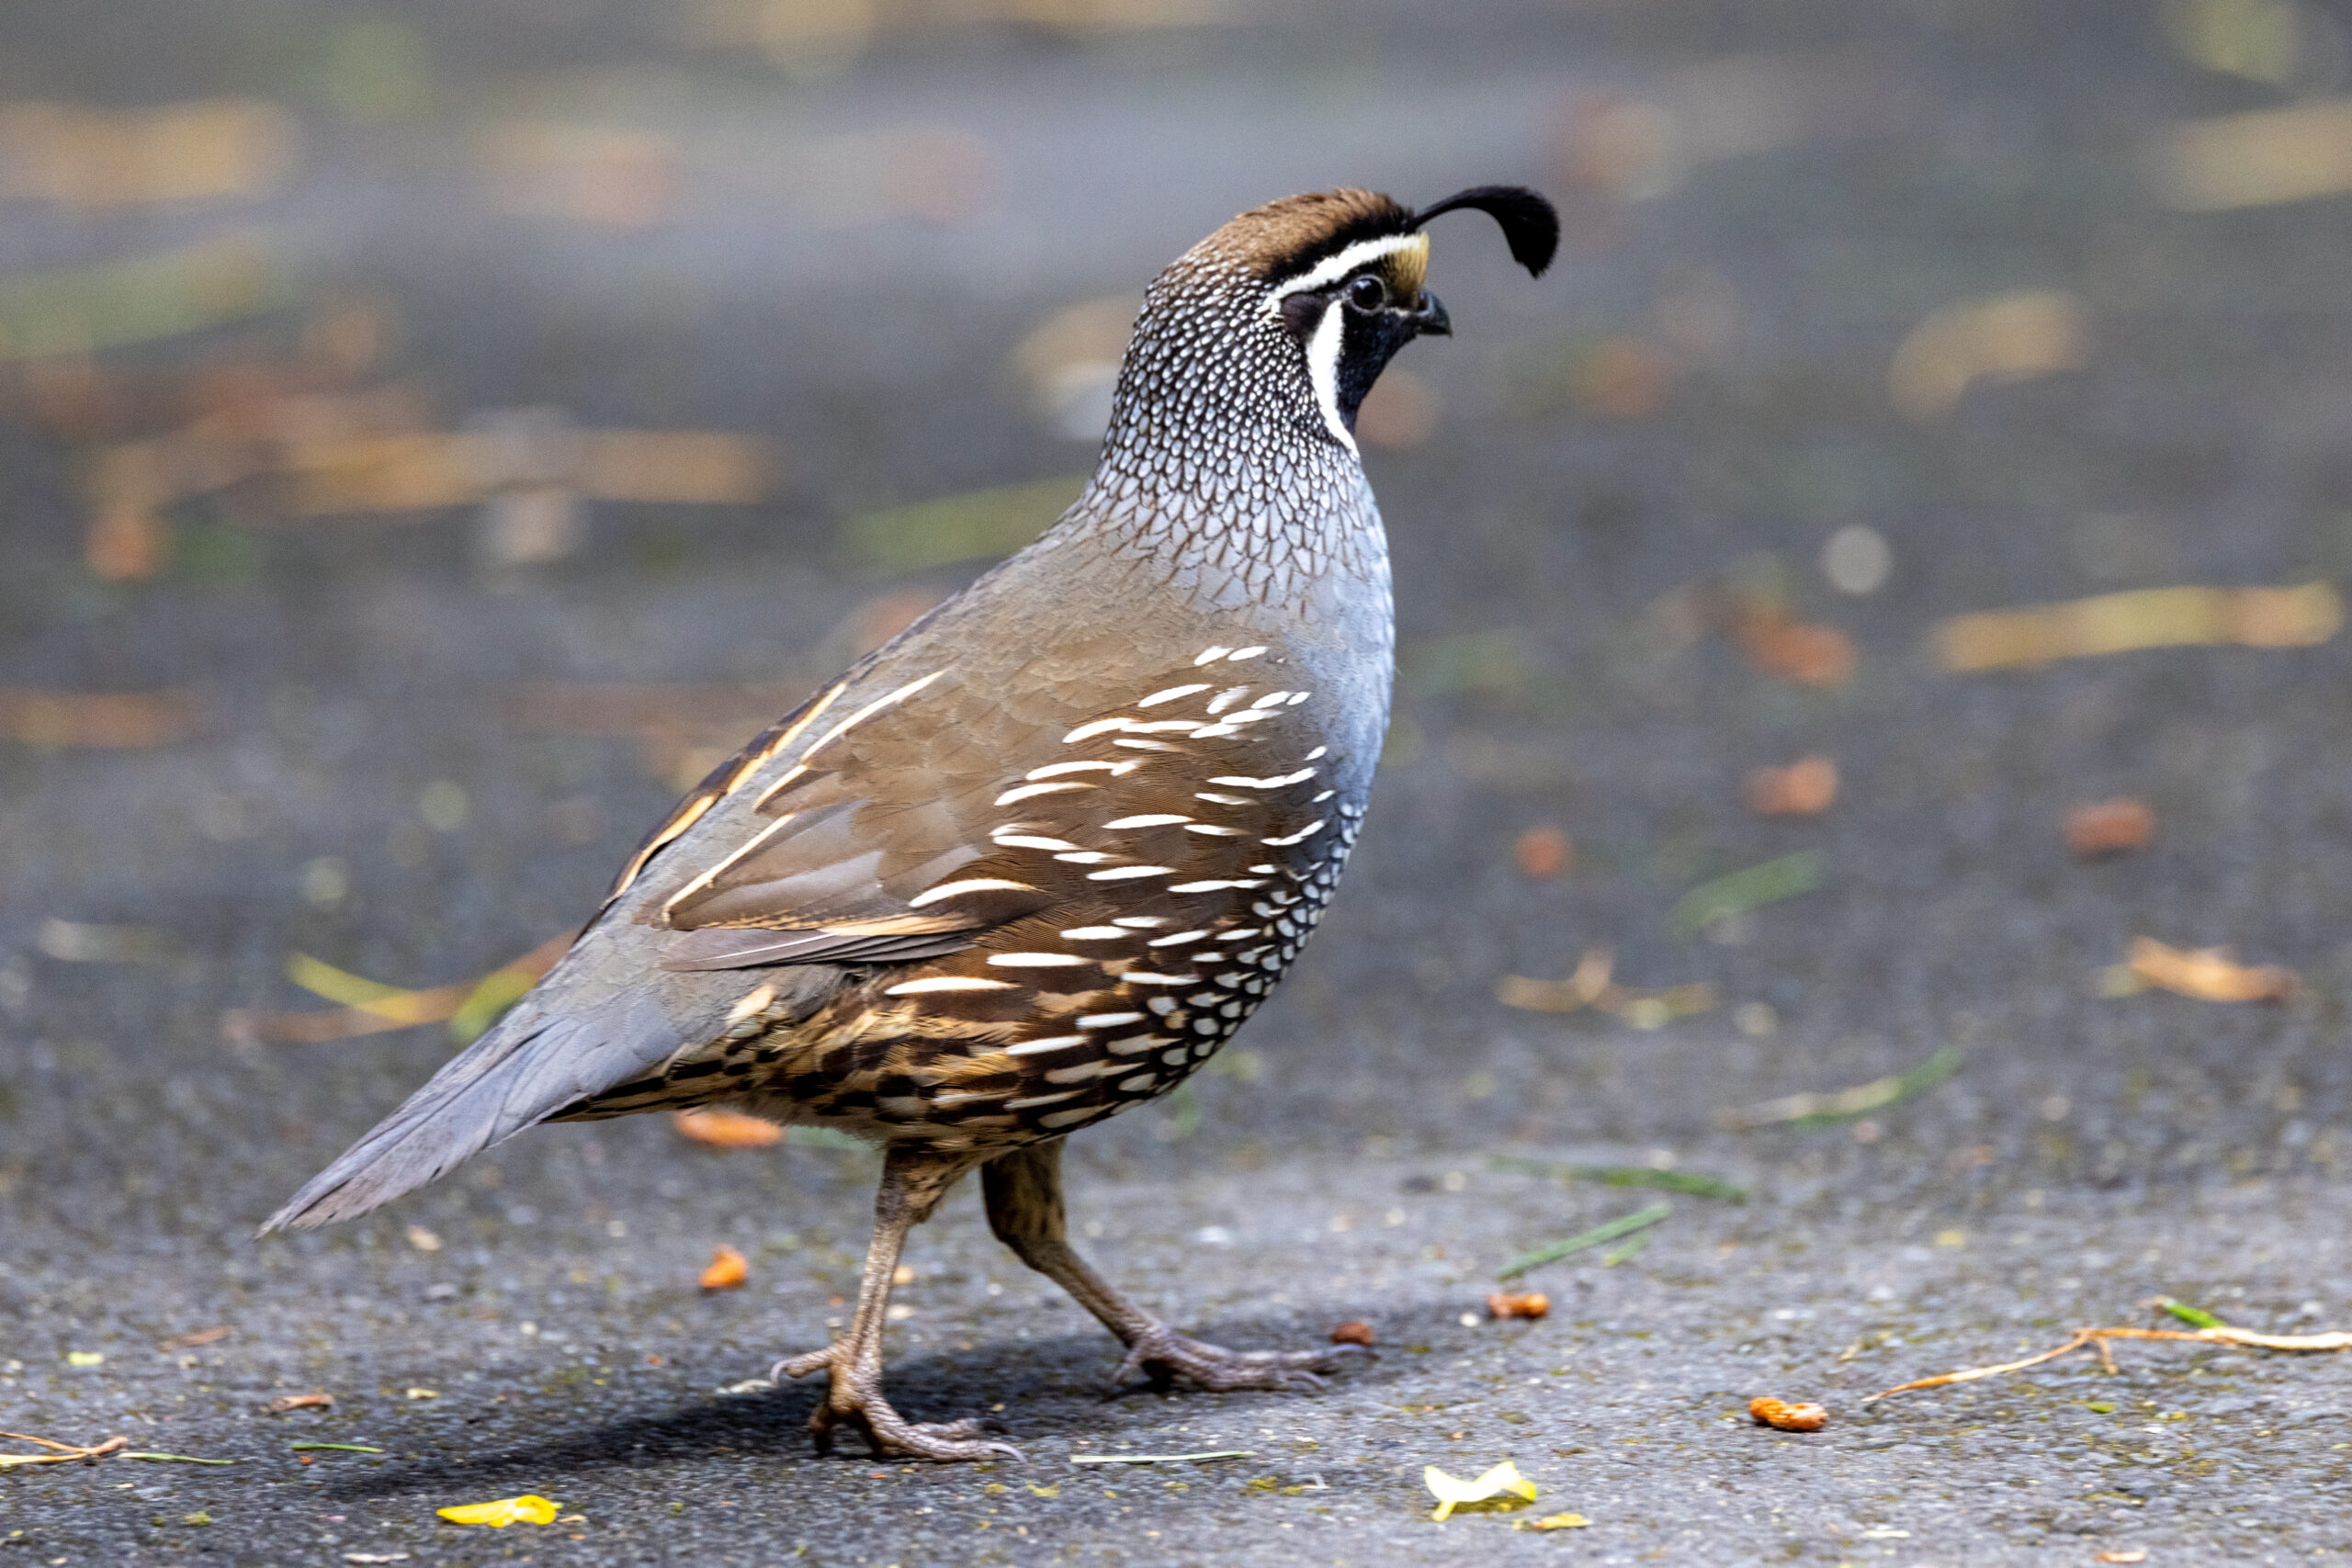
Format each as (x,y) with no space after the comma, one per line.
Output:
(1430,320)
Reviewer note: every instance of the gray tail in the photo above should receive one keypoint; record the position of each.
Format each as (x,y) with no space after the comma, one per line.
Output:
(533,1065)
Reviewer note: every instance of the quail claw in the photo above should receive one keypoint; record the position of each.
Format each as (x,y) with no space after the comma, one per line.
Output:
(856,1400)
(1161,1355)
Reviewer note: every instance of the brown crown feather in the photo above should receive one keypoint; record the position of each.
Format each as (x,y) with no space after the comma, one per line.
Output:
(1291,235)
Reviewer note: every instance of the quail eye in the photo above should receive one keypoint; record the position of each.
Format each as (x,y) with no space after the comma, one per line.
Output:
(1367,293)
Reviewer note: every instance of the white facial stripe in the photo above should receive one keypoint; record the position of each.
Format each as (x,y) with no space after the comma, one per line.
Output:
(1333,268)
(1323,352)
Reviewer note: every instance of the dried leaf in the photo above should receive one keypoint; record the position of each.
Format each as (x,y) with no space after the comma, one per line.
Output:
(1590,985)
(2102,828)
(1354,1332)
(727,1270)
(107,720)
(190,1340)
(1818,1110)
(1582,988)
(193,152)
(528,1509)
(373,1008)
(2209,974)
(1766,1411)
(2003,337)
(2255,159)
(1806,787)
(718,1128)
(1529,1304)
(1502,1481)
(421,472)
(285,1403)
(2140,618)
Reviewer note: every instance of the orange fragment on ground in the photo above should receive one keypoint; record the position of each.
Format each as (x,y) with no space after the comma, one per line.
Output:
(2209,974)
(1531,1304)
(727,1270)
(1806,787)
(2115,827)
(1767,1411)
(1779,644)
(301,1402)
(1356,1332)
(1543,852)
(720,1129)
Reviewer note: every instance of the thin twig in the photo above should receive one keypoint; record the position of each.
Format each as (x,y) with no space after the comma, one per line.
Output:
(66,1452)
(2099,1337)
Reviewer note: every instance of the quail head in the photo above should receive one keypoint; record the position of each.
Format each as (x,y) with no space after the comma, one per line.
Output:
(1037,858)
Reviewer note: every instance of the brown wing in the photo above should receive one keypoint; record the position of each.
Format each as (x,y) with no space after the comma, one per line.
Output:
(1063,922)
(917,816)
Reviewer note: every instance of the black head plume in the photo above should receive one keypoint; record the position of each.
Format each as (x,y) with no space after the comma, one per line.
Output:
(1530,226)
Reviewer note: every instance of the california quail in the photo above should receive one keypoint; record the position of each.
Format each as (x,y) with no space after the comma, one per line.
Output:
(1037,858)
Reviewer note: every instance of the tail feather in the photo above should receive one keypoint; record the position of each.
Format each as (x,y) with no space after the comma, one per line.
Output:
(532,1064)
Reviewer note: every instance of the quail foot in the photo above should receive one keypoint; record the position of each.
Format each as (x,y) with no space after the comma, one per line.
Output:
(1035,860)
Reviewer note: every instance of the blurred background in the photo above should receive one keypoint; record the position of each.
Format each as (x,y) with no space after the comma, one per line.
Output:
(1869,622)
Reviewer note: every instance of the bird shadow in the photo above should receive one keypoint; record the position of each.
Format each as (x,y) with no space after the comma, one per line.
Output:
(1045,1388)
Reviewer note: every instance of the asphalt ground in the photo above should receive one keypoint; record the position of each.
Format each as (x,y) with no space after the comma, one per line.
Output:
(1691,405)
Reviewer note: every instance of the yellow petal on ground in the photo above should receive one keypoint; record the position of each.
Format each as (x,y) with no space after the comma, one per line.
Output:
(528,1509)
(1555,1522)
(1452,1492)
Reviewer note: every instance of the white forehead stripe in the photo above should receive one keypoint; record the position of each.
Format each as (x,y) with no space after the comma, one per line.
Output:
(1332,268)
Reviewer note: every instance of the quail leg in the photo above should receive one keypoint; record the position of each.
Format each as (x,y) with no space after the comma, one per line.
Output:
(1024,1202)
(913,1185)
